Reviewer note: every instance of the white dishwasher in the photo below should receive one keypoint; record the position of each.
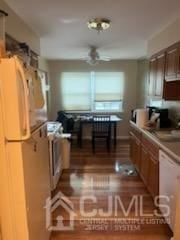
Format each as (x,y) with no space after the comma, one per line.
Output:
(169,175)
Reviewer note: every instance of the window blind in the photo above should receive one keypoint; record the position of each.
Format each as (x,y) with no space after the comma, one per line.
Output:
(76,91)
(108,86)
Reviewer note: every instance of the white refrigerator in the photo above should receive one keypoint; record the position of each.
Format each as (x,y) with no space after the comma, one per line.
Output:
(24,163)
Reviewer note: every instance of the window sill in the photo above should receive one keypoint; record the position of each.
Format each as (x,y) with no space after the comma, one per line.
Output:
(95,112)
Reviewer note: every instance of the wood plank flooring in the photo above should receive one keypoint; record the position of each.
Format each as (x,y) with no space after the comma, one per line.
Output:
(101,175)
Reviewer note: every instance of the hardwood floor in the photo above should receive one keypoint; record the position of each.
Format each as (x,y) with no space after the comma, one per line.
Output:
(107,178)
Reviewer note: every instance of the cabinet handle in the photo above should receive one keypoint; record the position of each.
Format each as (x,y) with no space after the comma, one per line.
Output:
(40,133)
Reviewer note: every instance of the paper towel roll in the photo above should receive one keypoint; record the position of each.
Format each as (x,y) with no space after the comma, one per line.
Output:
(142,116)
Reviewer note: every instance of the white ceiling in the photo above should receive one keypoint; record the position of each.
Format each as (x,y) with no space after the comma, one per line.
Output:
(61,24)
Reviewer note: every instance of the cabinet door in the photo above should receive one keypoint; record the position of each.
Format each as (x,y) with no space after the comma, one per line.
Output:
(144,164)
(159,76)
(178,68)
(131,146)
(153,178)
(171,66)
(152,76)
(137,146)
(133,151)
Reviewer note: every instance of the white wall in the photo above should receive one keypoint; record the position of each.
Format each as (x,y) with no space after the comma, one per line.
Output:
(165,38)
(129,67)
(43,64)
(18,29)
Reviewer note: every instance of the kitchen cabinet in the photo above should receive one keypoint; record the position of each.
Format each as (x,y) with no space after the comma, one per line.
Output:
(172,59)
(153,176)
(171,91)
(164,74)
(152,76)
(135,151)
(144,164)
(135,148)
(177,218)
(172,73)
(156,76)
(145,157)
(158,91)
(178,67)
(150,165)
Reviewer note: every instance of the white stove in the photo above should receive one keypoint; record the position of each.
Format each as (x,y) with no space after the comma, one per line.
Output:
(54,130)
(53,127)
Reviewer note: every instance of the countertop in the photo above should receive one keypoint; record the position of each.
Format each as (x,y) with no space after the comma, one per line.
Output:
(171,148)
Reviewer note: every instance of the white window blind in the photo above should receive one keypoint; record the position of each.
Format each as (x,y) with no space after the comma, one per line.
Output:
(108,86)
(76,91)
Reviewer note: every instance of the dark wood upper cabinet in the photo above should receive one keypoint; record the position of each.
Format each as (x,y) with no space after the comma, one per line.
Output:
(158,92)
(178,67)
(164,75)
(152,76)
(171,91)
(156,76)
(172,73)
(171,67)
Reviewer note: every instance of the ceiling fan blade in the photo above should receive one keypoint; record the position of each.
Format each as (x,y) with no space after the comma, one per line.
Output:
(69,20)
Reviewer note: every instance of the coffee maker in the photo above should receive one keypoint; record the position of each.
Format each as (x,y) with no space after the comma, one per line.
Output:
(164,120)
(151,110)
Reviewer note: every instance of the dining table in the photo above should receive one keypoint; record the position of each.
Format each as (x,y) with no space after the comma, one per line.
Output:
(88,120)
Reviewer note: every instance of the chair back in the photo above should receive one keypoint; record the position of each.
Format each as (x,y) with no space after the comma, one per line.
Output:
(101,124)
(67,121)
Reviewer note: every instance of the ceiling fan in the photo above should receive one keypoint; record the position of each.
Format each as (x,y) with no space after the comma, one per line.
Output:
(94,57)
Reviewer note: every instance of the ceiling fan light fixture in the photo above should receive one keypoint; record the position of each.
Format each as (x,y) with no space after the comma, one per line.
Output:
(99,24)
(92,62)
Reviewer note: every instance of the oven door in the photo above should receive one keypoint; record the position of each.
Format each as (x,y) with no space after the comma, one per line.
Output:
(56,161)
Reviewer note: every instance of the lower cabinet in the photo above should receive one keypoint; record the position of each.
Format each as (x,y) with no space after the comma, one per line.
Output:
(144,165)
(136,151)
(150,165)
(145,157)
(153,176)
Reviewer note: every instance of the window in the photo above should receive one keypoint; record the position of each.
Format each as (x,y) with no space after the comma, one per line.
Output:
(76,91)
(95,91)
(156,103)
(108,91)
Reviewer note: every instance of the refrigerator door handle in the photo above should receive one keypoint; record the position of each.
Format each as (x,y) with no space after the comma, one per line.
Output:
(26,106)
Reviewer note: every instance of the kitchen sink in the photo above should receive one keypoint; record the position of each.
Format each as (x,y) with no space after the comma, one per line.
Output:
(167,135)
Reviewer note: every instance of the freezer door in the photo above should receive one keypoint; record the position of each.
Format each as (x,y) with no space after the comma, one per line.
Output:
(14,92)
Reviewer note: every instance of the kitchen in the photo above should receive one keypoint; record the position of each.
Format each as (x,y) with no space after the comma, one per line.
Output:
(142,63)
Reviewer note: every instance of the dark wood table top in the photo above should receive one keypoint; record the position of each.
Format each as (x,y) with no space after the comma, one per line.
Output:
(89,118)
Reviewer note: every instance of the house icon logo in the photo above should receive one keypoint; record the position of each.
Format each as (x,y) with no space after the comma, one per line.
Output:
(52,204)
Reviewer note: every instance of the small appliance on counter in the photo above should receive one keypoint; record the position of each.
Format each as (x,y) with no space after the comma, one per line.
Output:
(151,110)
(140,117)
(152,114)
(164,121)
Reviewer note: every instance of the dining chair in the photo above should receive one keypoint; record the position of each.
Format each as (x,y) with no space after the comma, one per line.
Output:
(101,129)
(70,126)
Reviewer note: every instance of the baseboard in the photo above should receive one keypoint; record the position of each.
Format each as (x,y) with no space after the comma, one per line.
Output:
(118,138)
